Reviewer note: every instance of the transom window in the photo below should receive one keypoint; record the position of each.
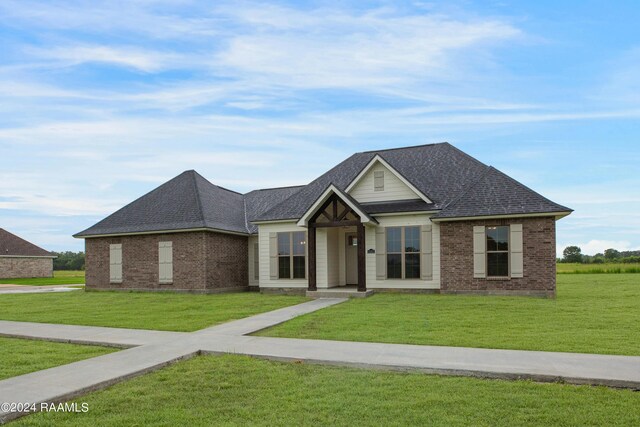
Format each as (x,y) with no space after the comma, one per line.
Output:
(497,251)
(403,252)
(291,255)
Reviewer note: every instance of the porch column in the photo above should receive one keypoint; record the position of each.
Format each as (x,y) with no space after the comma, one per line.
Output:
(312,257)
(362,265)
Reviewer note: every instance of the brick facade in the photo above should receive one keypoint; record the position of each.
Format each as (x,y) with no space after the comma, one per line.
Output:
(202,262)
(14,267)
(539,253)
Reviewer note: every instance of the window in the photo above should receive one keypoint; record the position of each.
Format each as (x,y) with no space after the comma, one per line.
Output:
(497,251)
(291,255)
(256,262)
(165,262)
(378,181)
(115,263)
(403,252)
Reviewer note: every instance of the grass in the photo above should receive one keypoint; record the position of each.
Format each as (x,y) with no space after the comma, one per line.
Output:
(592,314)
(141,310)
(59,278)
(20,356)
(609,268)
(237,390)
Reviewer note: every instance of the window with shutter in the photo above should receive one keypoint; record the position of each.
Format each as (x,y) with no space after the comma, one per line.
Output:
(291,255)
(403,252)
(497,251)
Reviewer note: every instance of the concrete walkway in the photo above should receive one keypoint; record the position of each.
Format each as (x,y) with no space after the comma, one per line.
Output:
(32,289)
(155,349)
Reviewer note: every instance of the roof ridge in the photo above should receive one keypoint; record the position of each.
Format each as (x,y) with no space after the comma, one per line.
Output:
(277,188)
(198,195)
(469,187)
(405,147)
(528,188)
(469,156)
(246,221)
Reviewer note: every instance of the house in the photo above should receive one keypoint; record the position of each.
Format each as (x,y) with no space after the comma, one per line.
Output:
(427,218)
(21,259)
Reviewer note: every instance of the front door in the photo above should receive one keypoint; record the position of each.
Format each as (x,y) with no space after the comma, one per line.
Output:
(351,254)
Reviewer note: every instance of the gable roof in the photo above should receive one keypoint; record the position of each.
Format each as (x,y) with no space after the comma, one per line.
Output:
(379,160)
(12,245)
(439,171)
(455,184)
(346,198)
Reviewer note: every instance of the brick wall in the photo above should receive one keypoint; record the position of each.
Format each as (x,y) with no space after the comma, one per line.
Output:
(13,268)
(539,253)
(193,265)
(227,261)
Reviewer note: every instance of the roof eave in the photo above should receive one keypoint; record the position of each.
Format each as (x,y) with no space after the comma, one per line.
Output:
(557,214)
(166,231)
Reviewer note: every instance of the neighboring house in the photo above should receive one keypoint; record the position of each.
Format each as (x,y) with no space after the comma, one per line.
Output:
(21,259)
(424,218)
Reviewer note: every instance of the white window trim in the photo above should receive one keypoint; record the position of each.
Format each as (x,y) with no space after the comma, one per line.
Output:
(487,252)
(291,255)
(402,252)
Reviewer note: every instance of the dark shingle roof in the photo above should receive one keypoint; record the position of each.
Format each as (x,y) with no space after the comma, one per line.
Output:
(187,201)
(498,194)
(439,171)
(259,201)
(457,185)
(12,245)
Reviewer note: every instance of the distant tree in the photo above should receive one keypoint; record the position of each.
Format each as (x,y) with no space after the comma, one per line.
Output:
(598,259)
(68,261)
(572,254)
(611,254)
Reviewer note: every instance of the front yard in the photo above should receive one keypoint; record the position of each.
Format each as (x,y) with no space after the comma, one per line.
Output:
(139,310)
(236,390)
(21,356)
(592,314)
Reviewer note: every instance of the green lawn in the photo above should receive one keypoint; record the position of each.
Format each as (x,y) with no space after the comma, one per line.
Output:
(608,268)
(21,356)
(236,390)
(59,278)
(592,314)
(142,310)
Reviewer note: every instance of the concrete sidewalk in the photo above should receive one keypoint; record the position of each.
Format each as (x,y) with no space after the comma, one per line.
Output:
(156,349)
(96,335)
(575,368)
(33,289)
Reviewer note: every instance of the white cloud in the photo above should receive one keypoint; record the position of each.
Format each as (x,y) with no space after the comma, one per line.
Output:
(323,49)
(131,57)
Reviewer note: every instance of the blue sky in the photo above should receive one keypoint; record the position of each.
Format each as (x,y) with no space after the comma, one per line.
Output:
(100,102)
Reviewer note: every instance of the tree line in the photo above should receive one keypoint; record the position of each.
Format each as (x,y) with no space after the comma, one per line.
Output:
(68,261)
(574,254)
